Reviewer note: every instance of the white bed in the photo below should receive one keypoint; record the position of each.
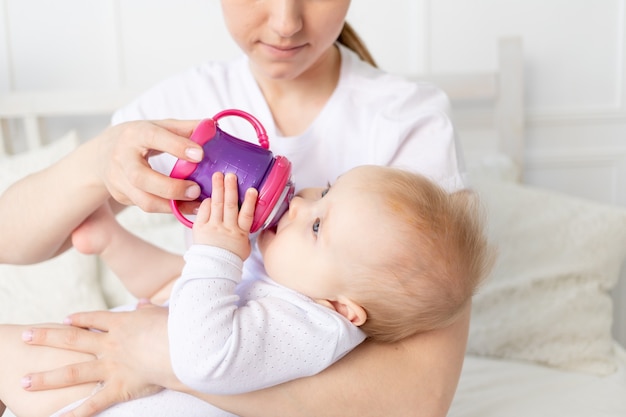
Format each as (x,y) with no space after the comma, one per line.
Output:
(541,341)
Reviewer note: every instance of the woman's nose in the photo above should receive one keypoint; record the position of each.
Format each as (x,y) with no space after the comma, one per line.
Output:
(286,17)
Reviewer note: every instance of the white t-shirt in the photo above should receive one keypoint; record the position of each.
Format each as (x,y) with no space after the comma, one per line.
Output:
(371,118)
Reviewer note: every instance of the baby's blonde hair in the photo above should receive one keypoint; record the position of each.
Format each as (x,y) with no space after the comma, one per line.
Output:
(441,256)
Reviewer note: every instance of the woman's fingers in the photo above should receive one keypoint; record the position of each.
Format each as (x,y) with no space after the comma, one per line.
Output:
(75,374)
(123,158)
(171,136)
(181,149)
(126,360)
(72,338)
(96,320)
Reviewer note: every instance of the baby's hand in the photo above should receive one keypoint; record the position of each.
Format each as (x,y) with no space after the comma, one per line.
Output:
(220,222)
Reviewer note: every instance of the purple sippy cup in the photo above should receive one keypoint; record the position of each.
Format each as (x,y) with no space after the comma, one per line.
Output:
(254,165)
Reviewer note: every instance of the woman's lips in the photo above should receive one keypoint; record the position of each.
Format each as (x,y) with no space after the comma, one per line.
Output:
(283,51)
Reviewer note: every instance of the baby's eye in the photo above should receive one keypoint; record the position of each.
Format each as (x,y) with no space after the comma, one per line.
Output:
(326,190)
(316,226)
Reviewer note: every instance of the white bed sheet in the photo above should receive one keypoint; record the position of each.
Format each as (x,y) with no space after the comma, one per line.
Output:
(502,388)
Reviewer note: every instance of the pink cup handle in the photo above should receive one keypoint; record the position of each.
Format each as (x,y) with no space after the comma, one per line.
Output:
(258,127)
(180,216)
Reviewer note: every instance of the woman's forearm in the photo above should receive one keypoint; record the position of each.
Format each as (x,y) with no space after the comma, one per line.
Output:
(38,213)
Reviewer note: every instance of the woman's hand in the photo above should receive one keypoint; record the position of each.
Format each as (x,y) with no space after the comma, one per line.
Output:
(114,163)
(132,356)
(122,158)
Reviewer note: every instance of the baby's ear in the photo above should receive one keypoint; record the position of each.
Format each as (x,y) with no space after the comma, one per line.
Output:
(349,309)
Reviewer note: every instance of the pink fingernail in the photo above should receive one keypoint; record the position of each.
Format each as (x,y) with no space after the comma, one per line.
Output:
(26,382)
(27,336)
(67,320)
(192,192)
(194,154)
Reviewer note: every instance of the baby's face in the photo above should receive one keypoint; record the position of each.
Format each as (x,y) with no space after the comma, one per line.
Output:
(325,233)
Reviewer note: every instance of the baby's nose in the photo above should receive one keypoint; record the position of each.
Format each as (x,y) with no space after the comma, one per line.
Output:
(295,205)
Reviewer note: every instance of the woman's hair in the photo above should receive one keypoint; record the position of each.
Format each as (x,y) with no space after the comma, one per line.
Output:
(349,38)
(440,257)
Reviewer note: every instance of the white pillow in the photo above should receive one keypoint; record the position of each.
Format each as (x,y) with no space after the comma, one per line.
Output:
(548,299)
(50,290)
(14,167)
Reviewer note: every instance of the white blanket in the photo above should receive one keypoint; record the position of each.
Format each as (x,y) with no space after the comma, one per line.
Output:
(498,388)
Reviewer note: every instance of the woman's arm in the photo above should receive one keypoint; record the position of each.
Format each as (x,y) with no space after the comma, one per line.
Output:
(50,204)
(416,377)
(38,212)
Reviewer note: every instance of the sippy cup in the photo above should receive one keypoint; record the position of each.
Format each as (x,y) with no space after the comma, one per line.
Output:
(254,165)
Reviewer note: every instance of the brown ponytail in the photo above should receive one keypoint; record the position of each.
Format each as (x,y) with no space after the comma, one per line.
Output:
(349,38)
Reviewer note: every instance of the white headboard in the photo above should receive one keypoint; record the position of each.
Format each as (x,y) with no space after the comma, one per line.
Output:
(23,115)
(488,108)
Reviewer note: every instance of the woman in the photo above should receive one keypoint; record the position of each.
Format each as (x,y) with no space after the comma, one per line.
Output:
(327,111)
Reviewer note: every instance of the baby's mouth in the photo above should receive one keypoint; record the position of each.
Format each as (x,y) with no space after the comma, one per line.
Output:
(271,230)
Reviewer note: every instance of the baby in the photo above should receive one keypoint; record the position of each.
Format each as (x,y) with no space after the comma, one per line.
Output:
(382,253)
